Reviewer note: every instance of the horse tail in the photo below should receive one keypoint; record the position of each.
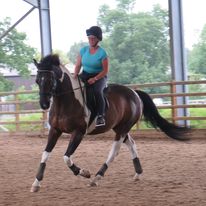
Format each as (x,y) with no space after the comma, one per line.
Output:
(152,116)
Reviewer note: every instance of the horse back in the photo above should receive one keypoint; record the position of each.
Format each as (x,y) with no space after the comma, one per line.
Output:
(124,103)
(121,92)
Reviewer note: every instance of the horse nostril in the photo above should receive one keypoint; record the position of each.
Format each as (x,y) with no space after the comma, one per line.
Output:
(45,105)
(44,102)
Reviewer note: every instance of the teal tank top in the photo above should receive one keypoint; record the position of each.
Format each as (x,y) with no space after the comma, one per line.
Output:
(92,63)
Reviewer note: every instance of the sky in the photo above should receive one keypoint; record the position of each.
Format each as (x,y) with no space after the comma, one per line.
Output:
(70,19)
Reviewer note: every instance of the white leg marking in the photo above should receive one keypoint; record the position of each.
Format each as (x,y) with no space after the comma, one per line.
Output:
(136,177)
(35,186)
(36,183)
(45,156)
(131,146)
(133,151)
(112,154)
(68,160)
(114,151)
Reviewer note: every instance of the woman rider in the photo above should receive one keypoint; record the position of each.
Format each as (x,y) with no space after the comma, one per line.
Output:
(94,60)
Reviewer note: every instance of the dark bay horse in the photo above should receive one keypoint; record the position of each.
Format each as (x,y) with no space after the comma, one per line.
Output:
(69,114)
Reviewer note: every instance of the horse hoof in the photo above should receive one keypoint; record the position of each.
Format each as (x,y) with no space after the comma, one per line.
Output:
(85,173)
(35,189)
(136,177)
(93,184)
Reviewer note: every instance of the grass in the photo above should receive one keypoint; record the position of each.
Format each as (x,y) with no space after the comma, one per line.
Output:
(27,126)
(166,113)
(194,112)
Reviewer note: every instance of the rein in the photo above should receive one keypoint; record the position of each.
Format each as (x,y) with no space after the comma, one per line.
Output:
(70,91)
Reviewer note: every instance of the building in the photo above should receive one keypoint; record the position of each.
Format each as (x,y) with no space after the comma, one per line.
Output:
(18,81)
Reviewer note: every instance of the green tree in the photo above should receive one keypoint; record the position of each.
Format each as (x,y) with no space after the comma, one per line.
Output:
(14,52)
(5,85)
(74,51)
(62,55)
(196,60)
(137,43)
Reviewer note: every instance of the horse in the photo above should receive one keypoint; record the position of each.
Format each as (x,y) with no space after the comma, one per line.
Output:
(63,95)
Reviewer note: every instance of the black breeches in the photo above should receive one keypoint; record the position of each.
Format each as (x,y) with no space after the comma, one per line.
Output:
(97,88)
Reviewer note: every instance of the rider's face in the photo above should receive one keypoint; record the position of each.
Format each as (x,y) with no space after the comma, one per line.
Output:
(92,40)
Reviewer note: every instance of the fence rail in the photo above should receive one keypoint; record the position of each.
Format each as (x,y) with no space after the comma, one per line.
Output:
(14,119)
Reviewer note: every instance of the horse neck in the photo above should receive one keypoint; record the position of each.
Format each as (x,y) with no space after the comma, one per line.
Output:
(70,90)
(75,82)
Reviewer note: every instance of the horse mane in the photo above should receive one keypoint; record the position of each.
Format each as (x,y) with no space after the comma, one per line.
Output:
(49,60)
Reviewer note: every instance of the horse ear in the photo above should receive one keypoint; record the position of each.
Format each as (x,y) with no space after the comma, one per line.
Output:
(35,63)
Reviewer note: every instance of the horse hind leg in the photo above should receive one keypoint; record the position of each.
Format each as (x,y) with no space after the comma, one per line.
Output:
(112,154)
(134,155)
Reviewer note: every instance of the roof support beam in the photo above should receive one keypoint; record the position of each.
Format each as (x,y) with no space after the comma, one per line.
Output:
(178,57)
(44,21)
(45,27)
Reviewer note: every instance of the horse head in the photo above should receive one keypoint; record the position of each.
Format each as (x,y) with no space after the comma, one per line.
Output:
(48,73)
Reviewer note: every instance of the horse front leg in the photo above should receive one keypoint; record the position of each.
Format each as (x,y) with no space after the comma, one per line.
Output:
(133,151)
(75,140)
(112,154)
(52,139)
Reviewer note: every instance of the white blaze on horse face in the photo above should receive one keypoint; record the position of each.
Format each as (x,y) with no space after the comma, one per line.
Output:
(42,81)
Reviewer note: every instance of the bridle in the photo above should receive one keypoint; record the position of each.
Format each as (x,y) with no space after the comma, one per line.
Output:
(53,90)
(53,85)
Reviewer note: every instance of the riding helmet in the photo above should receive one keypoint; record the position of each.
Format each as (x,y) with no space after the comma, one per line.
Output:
(95,31)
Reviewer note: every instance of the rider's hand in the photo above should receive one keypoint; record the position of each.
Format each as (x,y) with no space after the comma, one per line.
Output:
(91,80)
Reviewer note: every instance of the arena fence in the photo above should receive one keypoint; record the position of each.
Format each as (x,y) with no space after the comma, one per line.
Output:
(20,111)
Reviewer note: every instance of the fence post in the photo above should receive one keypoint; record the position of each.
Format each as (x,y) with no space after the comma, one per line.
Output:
(44,116)
(173,101)
(17,119)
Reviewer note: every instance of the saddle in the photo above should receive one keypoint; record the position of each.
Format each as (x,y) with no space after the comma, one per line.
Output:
(92,103)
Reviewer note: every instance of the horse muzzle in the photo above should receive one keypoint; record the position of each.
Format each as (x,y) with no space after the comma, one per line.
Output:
(45,101)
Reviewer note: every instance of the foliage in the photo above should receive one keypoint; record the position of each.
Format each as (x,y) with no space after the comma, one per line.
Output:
(194,112)
(197,87)
(62,56)
(5,85)
(26,127)
(14,52)
(30,96)
(166,113)
(197,63)
(74,51)
(137,43)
